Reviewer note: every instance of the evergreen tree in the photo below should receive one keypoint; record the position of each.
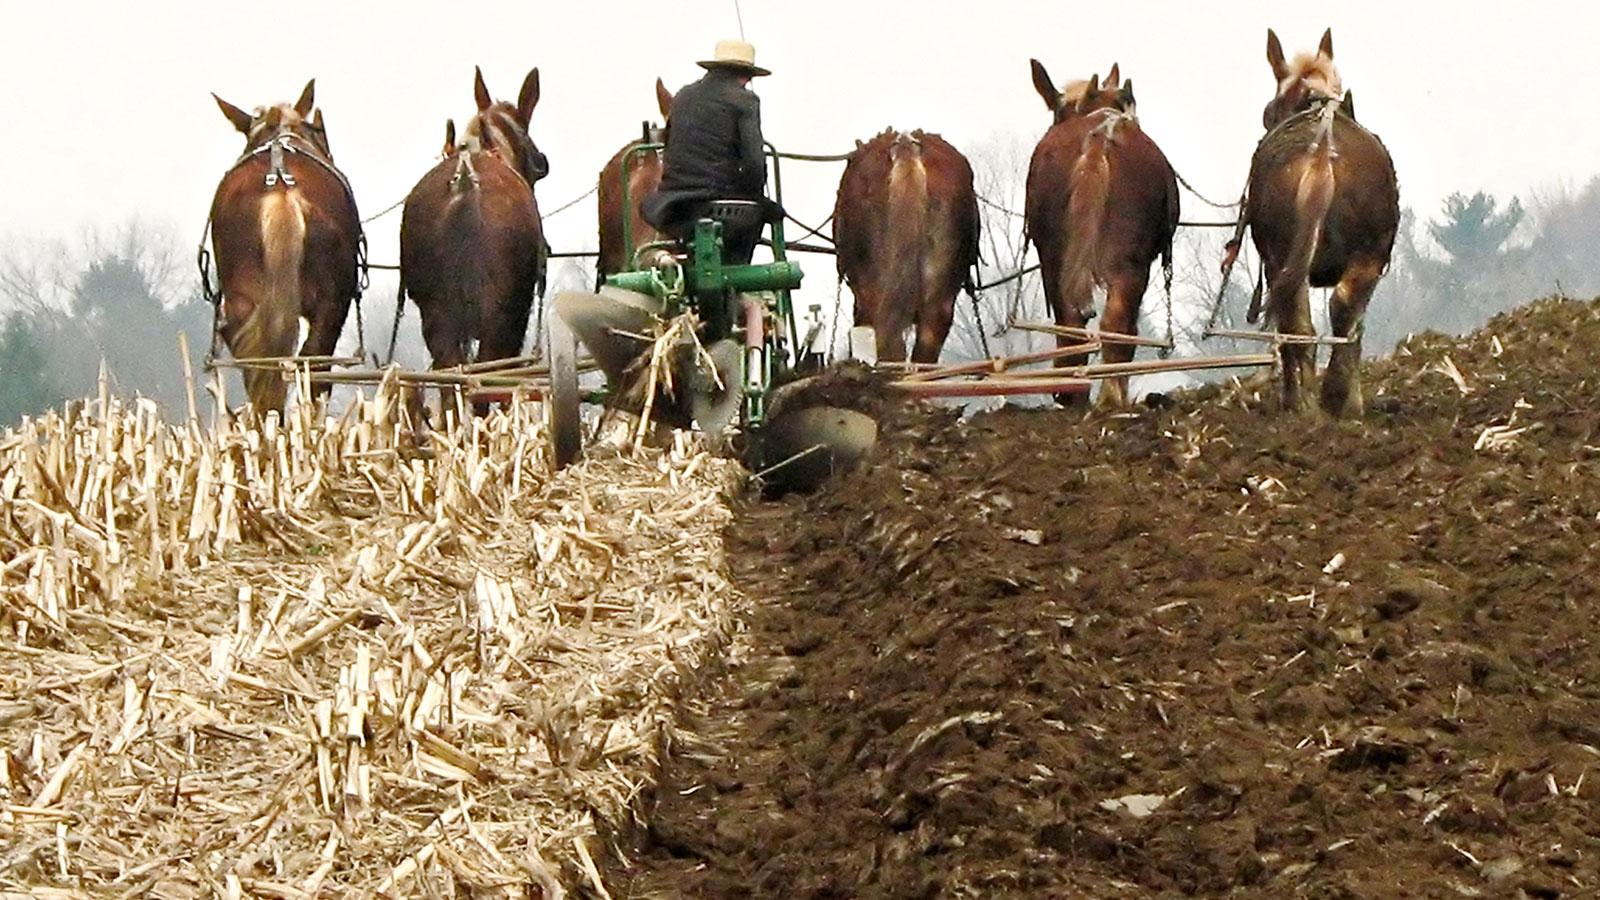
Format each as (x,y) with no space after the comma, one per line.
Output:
(26,387)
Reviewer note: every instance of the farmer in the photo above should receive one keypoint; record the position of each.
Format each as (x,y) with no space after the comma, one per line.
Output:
(715,152)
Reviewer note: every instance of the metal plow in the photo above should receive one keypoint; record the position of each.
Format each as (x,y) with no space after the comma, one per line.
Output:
(656,367)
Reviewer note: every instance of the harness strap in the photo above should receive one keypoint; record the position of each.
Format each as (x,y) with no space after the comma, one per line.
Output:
(277,171)
(969,284)
(208,290)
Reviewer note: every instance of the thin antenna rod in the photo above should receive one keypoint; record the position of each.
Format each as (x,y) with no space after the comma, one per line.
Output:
(740,16)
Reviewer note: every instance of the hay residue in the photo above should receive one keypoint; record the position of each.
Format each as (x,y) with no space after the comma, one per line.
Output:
(299,661)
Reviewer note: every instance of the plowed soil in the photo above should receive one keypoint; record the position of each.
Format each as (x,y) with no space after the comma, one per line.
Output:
(1205,650)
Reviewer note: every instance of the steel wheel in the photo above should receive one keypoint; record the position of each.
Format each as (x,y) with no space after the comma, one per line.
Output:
(561,402)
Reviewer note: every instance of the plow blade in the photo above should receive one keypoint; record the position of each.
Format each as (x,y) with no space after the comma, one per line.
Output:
(801,448)
(563,415)
(615,325)
(716,401)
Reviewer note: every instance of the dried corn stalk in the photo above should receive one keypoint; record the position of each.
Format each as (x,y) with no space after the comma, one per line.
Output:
(301,661)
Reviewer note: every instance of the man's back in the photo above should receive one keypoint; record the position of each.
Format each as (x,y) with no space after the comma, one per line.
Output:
(714,144)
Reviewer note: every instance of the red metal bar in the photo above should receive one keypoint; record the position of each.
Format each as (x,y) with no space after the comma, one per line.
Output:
(1109,337)
(1000,364)
(994,387)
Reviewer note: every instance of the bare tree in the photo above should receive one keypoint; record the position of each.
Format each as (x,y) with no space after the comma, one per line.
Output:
(1008,291)
(35,275)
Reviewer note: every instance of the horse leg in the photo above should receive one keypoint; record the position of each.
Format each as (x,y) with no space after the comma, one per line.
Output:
(1341,386)
(1121,317)
(326,317)
(505,328)
(872,309)
(441,334)
(265,388)
(934,317)
(1291,308)
(249,334)
(1069,308)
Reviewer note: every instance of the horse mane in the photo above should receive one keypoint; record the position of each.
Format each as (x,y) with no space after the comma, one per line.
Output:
(1074,91)
(1095,95)
(1317,72)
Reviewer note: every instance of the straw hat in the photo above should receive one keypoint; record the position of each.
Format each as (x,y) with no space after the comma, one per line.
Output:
(737,55)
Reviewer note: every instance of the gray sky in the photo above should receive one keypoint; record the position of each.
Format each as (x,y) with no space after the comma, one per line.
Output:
(109,116)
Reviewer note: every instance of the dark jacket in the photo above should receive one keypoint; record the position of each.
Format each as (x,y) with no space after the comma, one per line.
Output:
(714,148)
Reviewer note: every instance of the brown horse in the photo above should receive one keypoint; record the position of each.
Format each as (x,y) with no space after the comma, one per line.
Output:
(472,247)
(286,238)
(644,176)
(906,227)
(1323,206)
(1102,205)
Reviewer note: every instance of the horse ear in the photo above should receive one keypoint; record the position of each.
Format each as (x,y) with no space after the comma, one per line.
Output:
(322,132)
(1128,103)
(240,119)
(1045,87)
(1280,69)
(1326,47)
(663,100)
(307,99)
(449,136)
(1113,78)
(528,97)
(1348,104)
(1090,92)
(480,92)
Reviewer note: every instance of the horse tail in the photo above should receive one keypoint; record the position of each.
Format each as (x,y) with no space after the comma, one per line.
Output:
(467,288)
(272,328)
(907,221)
(1312,200)
(1089,195)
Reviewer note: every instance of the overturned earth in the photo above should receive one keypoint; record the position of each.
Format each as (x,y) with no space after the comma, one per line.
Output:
(1203,650)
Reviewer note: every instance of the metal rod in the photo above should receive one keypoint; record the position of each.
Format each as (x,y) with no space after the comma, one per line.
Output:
(1002,363)
(818,157)
(799,247)
(445,379)
(1278,337)
(1141,367)
(992,387)
(1150,366)
(490,365)
(274,362)
(1110,337)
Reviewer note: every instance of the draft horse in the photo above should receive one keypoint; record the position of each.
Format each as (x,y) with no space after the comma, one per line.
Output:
(1101,207)
(287,241)
(905,224)
(643,177)
(1322,205)
(472,246)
